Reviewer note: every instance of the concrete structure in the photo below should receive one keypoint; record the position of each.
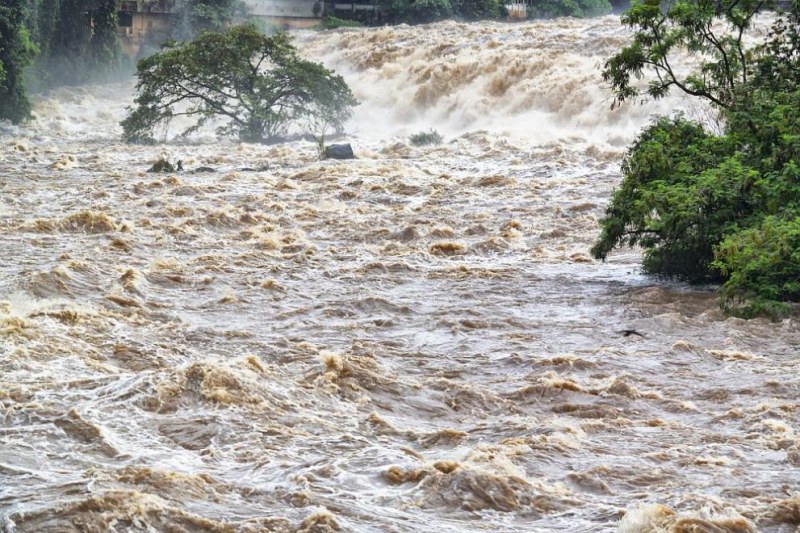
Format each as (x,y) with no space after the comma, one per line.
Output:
(145,24)
(291,13)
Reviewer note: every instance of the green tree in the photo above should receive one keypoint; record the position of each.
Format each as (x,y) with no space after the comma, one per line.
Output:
(256,85)
(104,49)
(16,52)
(714,207)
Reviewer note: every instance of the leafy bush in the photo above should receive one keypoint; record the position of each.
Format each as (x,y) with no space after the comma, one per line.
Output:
(547,9)
(425,138)
(479,9)
(257,85)
(418,11)
(331,23)
(715,207)
(679,194)
(762,266)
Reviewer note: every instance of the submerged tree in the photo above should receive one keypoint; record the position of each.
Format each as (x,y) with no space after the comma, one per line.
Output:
(16,52)
(256,85)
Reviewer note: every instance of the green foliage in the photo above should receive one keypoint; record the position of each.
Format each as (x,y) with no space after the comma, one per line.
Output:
(762,265)
(197,16)
(256,85)
(685,26)
(16,52)
(548,9)
(425,138)
(679,194)
(104,50)
(479,9)
(76,45)
(418,11)
(723,207)
(331,23)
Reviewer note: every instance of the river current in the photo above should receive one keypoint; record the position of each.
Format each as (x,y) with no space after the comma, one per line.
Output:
(415,340)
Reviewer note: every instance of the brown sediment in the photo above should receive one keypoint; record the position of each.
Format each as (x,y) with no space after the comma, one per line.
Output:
(89,222)
(85,432)
(114,509)
(205,382)
(447,248)
(351,375)
(787,511)
(237,351)
(320,522)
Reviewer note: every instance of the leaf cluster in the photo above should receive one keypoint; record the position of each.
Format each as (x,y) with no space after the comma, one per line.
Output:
(257,86)
(425,138)
(681,27)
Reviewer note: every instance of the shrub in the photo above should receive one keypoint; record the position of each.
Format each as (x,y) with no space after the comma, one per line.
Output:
(762,265)
(418,11)
(547,9)
(425,138)
(331,23)
(479,9)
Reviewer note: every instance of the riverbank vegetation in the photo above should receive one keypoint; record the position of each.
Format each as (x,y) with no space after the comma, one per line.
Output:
(16,52)
(713,207)
(255,86)
(426,11)
(548,9)
(50,43)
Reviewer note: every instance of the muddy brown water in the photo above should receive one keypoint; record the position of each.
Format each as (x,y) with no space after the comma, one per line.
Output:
(416,340)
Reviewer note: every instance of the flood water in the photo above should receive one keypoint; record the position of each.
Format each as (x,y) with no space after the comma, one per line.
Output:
(416,340)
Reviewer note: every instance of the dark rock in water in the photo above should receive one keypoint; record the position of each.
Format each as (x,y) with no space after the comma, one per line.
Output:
(339,151)
(204,169)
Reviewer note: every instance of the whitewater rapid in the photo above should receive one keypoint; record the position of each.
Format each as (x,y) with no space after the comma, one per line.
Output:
(416,340)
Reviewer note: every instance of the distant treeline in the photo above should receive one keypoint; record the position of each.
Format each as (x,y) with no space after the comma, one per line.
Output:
(48,43)
(424,11)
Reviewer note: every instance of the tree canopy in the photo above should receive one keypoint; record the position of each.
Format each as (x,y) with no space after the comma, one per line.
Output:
(257,86)
(690,27)
(714,207)
(77,41)
(16,52)
(548,9)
